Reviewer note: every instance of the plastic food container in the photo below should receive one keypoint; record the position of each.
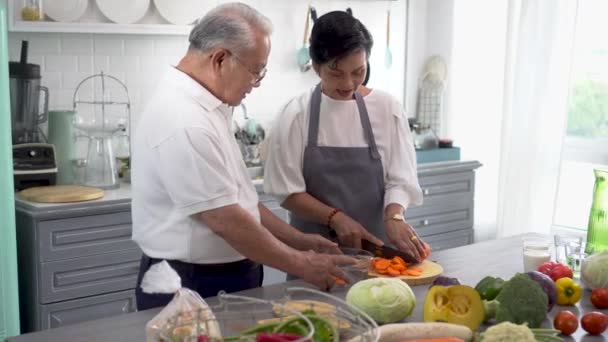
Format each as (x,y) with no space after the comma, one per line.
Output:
(303,312)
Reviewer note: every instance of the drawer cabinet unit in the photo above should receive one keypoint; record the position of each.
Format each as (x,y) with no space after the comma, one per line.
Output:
(77,261)
(445,218)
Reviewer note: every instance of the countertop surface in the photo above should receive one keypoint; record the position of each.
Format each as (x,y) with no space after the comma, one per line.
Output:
(470,264)
(119,195)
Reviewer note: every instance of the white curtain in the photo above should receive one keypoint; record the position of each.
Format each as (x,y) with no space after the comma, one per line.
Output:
(537,69)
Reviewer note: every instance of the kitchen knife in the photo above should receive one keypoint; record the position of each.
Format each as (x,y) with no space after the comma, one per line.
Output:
(387,252)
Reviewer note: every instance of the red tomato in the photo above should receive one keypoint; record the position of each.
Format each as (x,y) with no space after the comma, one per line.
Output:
(560,271)
(594,323)
(546,267)
(566,322)
(599,298)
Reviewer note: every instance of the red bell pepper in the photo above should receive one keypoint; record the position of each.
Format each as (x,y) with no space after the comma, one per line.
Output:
(555,271)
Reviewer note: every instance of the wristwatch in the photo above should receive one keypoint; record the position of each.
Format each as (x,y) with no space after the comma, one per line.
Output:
(396,217)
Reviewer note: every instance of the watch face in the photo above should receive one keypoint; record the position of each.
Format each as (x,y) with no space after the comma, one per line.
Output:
(398,217)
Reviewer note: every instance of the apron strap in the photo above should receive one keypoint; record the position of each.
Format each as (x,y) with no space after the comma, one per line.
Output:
(367,126)
(315,109)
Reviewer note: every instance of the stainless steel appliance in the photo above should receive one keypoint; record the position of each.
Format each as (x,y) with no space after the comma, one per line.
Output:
(33,159)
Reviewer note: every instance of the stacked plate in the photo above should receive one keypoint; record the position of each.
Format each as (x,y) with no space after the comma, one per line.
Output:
(65,10)
(183,12)
(123,12)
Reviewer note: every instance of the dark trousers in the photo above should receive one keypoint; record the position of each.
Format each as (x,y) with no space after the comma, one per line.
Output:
(205,279)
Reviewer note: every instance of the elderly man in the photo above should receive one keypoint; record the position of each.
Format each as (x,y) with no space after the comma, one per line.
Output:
(193,201)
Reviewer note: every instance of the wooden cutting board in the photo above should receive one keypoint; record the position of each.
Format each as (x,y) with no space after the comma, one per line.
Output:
(61,194)
(430,271)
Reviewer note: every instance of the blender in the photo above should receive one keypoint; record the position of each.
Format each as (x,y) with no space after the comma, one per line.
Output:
(33,158)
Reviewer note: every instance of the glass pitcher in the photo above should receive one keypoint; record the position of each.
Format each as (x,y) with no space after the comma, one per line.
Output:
(100,169)
(597,230)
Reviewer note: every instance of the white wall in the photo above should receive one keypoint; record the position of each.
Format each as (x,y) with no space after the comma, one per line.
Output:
(138,60)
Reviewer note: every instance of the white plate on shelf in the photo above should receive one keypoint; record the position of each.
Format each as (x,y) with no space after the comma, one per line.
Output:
(65,10)
(123,12)
(183,12)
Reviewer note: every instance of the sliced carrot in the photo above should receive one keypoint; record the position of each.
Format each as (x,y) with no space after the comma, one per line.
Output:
(382,264)
(340,281)
(418,269)
(384,271)
(413,273)
(393,272)
(404,272)
(398,260)
(398,267)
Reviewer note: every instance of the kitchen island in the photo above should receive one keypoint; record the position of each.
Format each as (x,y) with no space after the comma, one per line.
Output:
(502,257)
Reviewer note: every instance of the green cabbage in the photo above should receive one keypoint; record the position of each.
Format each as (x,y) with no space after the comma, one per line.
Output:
(594,271)
(386,300)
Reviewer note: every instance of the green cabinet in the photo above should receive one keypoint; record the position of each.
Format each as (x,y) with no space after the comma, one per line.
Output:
(9,309)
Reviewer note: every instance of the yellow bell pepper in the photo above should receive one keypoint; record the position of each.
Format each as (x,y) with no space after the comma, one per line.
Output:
(568,292)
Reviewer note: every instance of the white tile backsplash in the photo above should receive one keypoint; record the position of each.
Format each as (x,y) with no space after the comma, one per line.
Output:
(140,60)
(124,64)
(61,63)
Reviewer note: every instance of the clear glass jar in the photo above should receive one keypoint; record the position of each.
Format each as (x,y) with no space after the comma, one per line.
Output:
(32,10)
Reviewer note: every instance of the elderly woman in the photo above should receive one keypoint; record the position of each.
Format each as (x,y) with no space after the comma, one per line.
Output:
(340,156)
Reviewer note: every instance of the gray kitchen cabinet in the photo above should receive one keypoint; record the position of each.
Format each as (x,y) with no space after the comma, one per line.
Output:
(77,261)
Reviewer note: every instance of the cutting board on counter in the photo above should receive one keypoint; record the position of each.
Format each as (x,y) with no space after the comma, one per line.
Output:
(61,194)
(430,272)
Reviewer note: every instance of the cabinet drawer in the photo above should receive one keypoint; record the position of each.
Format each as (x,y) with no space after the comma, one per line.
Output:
(88,276)
(450,240)
(445,187)
(86,309)
(430,220)
(85,236)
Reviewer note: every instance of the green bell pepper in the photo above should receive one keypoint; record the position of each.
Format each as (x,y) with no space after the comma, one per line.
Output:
(489,287)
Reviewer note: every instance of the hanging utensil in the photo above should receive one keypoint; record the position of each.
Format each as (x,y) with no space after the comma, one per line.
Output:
(303,55)
(388,56)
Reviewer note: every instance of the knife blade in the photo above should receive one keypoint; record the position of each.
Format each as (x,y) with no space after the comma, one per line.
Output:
(387,252)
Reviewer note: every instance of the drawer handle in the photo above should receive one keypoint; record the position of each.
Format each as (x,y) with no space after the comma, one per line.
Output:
(426,191)
(425,222)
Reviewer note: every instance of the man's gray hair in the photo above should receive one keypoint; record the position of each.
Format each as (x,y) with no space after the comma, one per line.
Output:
(230,26)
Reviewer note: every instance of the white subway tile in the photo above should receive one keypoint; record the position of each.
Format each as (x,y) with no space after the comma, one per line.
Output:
(140,46)
(101,63)
(51,80)
(77,44)
(61,99)
(107,45)
(61,63)
(124,63)
(168,46)
(85,63)
(72,79)
(153,63)
(36,59)
(44,44)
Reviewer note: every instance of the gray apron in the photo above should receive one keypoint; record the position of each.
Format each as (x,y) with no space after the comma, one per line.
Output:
(347,178)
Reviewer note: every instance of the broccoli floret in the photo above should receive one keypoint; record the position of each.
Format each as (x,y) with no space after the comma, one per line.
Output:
(507,332)
(521,300)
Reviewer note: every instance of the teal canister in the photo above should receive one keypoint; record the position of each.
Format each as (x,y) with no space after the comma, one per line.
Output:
(62,137)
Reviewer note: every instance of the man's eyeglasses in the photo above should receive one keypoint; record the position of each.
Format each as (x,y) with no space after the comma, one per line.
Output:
(258,76)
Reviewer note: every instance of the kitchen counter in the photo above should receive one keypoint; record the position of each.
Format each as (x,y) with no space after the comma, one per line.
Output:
(500,258)
(120,195)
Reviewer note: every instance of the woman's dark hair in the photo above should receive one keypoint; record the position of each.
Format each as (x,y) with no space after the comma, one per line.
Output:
(337,34)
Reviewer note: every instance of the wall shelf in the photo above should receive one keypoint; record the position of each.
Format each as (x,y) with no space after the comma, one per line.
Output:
(93,21)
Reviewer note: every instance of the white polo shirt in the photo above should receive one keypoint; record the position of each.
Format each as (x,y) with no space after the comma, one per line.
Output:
(186,161)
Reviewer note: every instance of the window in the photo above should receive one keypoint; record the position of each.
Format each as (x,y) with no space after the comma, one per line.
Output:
(586,142)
